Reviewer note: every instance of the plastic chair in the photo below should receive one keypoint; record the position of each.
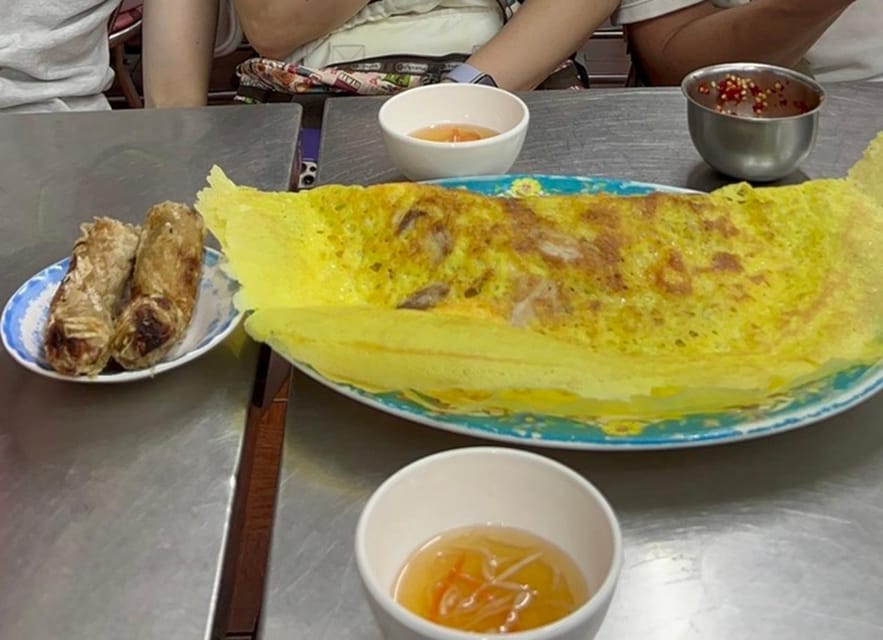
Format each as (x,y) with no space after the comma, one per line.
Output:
(610,32)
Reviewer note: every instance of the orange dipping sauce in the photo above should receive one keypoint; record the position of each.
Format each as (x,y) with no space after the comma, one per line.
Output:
(453,133)
(491,579)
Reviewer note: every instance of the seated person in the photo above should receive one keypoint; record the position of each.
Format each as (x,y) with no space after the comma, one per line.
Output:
(833,40)
(54,55)
(314,36)
(517,55)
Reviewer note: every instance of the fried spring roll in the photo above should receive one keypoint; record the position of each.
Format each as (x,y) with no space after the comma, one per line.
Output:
(83,310)
(168,268)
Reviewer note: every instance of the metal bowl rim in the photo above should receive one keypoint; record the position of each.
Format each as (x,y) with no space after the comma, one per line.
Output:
(699,74)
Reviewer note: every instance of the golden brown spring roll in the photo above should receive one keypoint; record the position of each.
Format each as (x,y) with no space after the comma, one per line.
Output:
(168,268)
(83,311)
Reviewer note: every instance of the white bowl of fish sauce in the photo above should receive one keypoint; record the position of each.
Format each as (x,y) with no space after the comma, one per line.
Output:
(488,541)
(448,130)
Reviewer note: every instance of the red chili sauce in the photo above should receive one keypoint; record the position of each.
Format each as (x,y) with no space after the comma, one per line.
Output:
(733,91)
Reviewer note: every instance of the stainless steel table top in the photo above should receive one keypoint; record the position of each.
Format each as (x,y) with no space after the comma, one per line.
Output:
(778,538)
(115,500)
(637,134)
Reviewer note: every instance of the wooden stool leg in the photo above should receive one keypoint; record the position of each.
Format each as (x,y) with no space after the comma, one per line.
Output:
(127,85)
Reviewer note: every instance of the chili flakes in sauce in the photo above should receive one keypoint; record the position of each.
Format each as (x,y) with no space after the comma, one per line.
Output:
(733,90)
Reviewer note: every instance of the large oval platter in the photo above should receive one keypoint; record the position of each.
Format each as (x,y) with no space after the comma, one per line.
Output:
(798,407)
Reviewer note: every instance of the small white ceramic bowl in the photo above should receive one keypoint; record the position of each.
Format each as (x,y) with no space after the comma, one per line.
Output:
(452,103)
(486,485)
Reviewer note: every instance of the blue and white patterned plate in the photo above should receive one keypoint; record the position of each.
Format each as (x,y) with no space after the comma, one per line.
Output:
(799,407)
(24,321)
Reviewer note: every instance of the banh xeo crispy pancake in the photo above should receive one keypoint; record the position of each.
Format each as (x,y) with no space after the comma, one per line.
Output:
(568,305)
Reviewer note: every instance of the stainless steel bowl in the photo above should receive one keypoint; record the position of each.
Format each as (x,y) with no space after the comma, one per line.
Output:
(766,133)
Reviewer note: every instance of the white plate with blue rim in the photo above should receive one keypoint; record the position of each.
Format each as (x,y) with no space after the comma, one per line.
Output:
(23,322)
(794,408)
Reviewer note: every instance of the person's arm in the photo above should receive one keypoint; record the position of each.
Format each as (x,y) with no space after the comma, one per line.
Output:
(178,38)
(540,36)
(275,28)
(772,31)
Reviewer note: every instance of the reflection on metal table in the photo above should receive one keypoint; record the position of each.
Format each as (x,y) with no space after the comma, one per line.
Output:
(773,538)
(115,500)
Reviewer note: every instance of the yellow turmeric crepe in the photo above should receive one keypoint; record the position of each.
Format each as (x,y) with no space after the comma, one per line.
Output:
(573,306)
